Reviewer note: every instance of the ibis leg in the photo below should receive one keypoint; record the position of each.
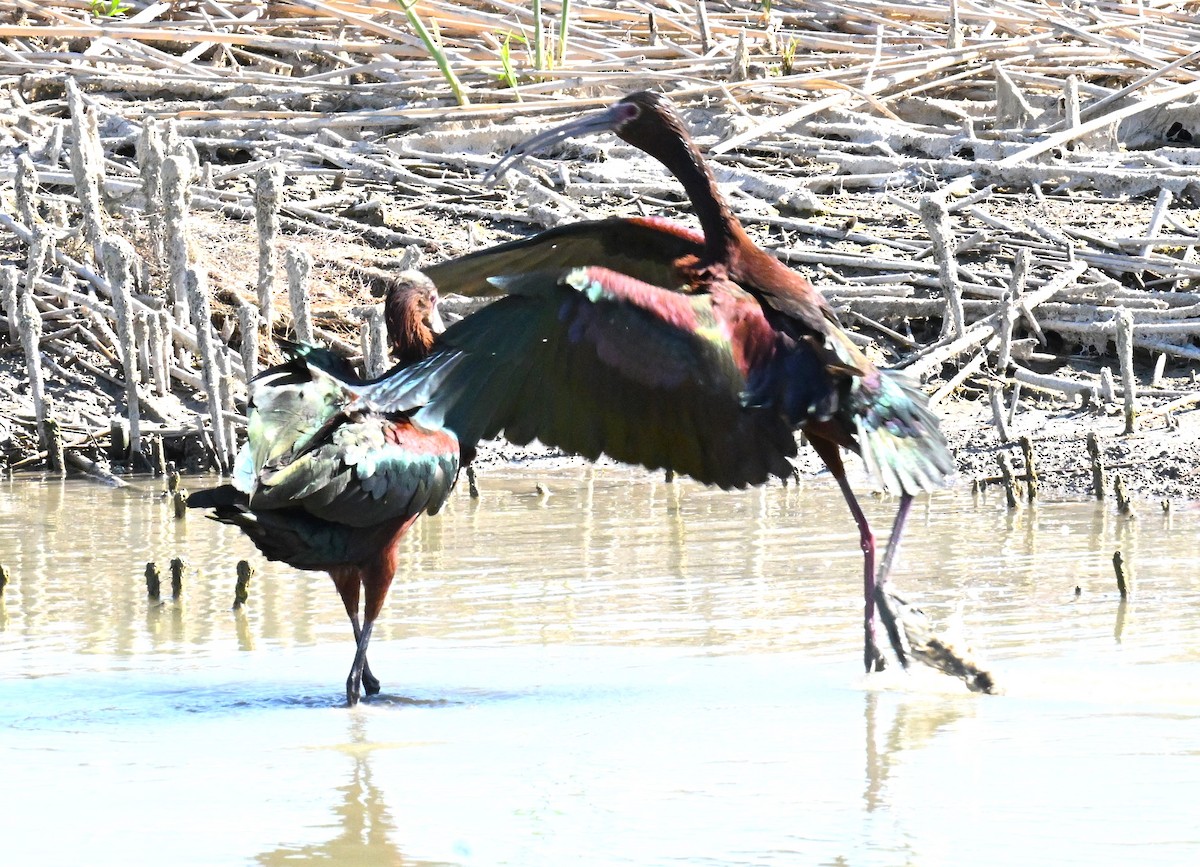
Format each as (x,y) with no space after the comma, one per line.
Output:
(873,658)
(355,680)
(882,597)
(369,681)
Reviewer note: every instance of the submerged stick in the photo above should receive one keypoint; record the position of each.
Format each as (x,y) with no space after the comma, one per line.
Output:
(930,648)
(1031,477)
(241,591)
(178,567)
(153,582)
(1122,579)
(1010,481)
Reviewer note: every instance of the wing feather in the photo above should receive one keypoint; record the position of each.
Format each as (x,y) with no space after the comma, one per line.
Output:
(643,247)
(594,361)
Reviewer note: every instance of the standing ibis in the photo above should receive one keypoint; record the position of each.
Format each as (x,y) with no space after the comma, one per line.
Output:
(695,352)
(325,487)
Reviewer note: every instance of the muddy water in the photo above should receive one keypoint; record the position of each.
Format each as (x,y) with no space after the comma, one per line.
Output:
(621,672)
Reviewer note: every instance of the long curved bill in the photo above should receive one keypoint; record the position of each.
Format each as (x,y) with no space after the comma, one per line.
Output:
(605,120)
(436,323)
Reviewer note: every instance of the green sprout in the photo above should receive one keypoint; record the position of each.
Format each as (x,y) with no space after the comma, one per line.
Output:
(507,74)
(788,56)
(108,8)
(539,50)
(433,46)
(562,32)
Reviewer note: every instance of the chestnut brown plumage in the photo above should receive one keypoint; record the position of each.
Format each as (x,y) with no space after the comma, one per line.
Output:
(655,344)
(323,486)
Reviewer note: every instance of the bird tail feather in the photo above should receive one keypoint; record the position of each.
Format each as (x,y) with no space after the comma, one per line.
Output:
(899,435)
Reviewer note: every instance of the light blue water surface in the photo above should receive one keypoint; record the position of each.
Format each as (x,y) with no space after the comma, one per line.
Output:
(622,672)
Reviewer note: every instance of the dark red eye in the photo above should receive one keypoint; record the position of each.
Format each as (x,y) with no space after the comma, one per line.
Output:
(626,112)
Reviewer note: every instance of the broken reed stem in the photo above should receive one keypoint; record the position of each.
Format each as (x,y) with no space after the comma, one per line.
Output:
(55,453)
(30,324)
(158,456)
(937,223)
(25,187)
(248,325)
(1008,318)
(267,185)
(150,156)
(298,264)
(9,283)
(1160,366)
(1123,574)
(225,382)
(1016,401)
(1010,480)
(118,259)
(201,313)
(1031,476)
(1099,481)
(740,68)
(373,339)
(996,398)
(1125,353)
(1108,389)
(702,21)
(176,174)
(87,165)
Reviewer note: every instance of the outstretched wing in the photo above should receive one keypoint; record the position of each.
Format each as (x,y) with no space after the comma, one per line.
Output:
(645,248)
(597,362)
(356,467)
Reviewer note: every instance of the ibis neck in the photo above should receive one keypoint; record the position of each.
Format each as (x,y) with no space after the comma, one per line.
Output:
(721,228)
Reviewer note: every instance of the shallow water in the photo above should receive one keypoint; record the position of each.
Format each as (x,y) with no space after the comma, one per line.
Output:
(622,672)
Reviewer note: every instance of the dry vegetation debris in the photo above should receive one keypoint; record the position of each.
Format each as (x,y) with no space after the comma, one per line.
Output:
(980,187)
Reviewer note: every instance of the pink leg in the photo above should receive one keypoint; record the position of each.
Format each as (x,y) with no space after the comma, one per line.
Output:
(355,680)
(873,659)
(881,596)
